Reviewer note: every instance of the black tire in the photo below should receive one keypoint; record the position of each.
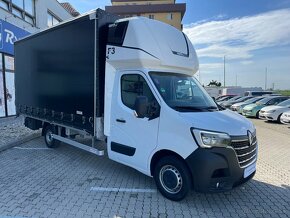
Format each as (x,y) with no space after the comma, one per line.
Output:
(279,118)
(172,178)
(257,114)
(49,141)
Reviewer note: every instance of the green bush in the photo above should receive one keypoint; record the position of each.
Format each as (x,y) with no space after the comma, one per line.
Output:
(284,92)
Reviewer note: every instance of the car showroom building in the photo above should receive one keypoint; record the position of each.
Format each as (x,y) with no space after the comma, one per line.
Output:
(19,18)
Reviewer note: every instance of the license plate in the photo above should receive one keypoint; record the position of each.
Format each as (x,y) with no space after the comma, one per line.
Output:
(249,170)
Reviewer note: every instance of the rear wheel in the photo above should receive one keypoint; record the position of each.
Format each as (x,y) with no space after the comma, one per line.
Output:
(172,178)
(49,140)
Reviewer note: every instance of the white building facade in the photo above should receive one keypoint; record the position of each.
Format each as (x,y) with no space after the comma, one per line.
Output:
(19,18)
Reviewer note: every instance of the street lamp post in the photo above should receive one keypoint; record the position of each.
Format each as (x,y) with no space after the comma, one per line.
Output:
(266,75)
(224,71)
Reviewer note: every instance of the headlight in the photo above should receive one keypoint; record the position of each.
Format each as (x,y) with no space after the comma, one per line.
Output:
(272,111)
(207,139)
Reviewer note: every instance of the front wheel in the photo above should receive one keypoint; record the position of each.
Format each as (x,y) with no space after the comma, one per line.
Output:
(172,178)
(49,140)
(279,118)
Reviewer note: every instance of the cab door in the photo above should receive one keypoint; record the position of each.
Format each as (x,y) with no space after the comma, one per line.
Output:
(132,139)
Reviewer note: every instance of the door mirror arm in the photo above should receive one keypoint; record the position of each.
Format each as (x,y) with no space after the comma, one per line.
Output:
(153,110)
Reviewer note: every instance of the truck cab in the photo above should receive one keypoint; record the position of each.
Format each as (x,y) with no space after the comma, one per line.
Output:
(159,119)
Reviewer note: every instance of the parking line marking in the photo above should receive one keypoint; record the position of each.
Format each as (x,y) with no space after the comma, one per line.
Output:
(135,190)
(32,148)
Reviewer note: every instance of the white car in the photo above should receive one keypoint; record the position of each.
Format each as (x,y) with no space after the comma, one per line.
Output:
(274,112)
(285,118)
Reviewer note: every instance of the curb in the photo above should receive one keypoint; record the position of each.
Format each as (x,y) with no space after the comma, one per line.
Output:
(20,141)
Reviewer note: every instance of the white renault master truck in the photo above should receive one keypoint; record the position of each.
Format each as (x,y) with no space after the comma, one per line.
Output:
(130,82)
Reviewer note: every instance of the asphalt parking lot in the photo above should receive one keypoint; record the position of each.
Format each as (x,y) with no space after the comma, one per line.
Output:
(66,182)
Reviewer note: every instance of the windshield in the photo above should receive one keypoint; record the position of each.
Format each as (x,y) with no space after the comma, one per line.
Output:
(285,103)
(252,100)
(224,98)
(264,101)
(234,98)
(244,98)
(182,92)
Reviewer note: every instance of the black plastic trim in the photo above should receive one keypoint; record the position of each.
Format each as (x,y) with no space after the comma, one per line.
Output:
(119,28)
(122,149)
(203,163)
(121,121)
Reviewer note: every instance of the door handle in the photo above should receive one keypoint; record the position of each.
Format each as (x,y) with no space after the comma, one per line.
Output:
(121,120)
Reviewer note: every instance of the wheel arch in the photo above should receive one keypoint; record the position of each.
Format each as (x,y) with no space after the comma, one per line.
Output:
(45,124)
(163,153)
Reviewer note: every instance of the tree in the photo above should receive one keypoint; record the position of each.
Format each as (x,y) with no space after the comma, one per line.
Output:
(215,83)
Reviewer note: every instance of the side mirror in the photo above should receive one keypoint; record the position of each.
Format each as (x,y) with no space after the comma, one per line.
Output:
(141,106)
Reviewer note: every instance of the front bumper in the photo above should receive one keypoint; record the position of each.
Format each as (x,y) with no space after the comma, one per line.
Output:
(285,120)
(267,116)
(216,169)
(248,113)
(240,111)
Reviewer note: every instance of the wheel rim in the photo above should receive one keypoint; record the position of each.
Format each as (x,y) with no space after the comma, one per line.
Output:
(49,137)
(170,179)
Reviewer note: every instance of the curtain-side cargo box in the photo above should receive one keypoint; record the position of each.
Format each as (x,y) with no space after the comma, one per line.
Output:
(60,72)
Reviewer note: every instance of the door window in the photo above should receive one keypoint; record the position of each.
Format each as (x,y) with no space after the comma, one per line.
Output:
(133,85)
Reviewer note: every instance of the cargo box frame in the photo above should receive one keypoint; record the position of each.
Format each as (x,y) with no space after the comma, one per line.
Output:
(44,108)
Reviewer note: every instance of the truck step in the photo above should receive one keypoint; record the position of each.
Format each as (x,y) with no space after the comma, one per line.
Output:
(79,145)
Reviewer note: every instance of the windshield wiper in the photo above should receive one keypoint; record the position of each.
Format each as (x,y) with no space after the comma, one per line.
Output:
(192,108)
(211,108)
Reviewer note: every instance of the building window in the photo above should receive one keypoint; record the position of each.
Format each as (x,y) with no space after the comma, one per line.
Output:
(23,9)
(52,19)
(4,4)
(151,16)
(170,16)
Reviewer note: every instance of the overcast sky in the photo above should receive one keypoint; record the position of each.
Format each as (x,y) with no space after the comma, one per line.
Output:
(252,35)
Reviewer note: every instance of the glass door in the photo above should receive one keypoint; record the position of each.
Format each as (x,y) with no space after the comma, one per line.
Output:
(2,98)
(10,87)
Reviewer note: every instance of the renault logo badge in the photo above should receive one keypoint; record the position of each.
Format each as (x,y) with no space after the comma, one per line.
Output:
(250,136)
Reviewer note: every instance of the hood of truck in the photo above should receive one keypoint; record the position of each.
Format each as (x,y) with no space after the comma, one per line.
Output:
(219,121)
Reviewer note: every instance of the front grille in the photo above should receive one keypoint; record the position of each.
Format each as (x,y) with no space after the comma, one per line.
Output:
(245,152)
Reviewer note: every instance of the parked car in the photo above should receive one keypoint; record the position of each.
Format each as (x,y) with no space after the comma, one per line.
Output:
(252,110)
(239,106)
(222,103)
(285,118)
(274,112)
(230,103)
(224,97)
